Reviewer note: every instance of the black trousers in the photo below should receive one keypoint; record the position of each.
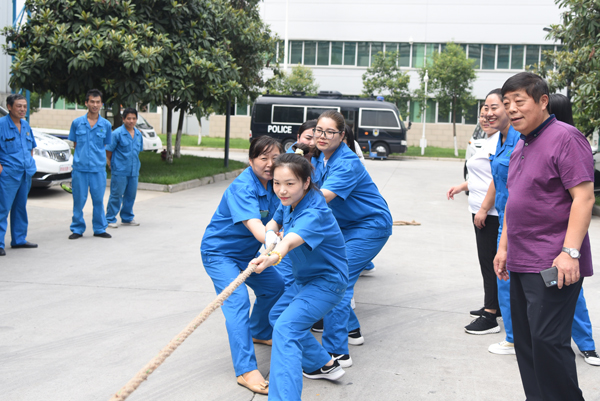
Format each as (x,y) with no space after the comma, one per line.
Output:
(542,319)
(487,240)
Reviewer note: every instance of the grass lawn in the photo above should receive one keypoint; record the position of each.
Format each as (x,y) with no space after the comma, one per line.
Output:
(431,151)
(154,170)
(208,142)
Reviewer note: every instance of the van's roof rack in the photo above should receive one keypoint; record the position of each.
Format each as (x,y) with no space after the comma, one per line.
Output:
(330,94)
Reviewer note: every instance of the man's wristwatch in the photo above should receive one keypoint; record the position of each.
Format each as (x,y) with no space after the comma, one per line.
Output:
(574,253)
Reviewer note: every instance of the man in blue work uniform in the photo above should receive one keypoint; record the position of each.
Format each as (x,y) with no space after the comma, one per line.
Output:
(16,169)
(90,134)
(122,156)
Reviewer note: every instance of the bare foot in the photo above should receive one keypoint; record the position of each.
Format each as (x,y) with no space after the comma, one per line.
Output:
(253,377)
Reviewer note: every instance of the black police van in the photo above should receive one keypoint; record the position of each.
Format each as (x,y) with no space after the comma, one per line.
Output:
(371,120)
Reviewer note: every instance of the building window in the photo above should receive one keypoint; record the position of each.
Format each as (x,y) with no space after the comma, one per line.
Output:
(432,48)
(376,47)
(363,54)
(532,55)
(415,112)
(516,58)
(241,107)
(444,117)
(404,55)
(59,104)
(503,57)
(46,101)
(489,57)
(295,56)
(472,115)
(546,49)
(475,55)
(418,55)
(152,108)
(323,53)
(310,53)
(350,53)
(430,117)
(337,53)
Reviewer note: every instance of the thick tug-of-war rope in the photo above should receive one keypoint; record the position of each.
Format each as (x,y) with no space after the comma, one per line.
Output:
(143,374)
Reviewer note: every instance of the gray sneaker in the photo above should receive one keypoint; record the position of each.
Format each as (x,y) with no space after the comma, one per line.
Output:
(130,223)
(113,225)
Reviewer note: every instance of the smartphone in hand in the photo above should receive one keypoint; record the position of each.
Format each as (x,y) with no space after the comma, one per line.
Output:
(550,276)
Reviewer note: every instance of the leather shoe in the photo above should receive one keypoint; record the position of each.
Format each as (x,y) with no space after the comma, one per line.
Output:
(103,235)
(75,236)
(2,252)
(27,244)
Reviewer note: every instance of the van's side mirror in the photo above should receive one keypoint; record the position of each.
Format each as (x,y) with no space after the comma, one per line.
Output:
(409,124)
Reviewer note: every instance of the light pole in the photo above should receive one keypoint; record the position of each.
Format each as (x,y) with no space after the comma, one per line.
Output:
(423,140)
(285,42)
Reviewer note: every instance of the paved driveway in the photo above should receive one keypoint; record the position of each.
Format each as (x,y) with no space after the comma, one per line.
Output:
(79,318)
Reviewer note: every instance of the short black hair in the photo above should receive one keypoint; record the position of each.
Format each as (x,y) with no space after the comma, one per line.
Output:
(532,84)
(93,93)
(263,144)
(10,100)
(129,110)
(496,91)
(560,106)
(307,125)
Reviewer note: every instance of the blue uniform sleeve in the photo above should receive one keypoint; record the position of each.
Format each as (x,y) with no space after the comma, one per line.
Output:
(34,143)
(278,216)
(141,140)
(343,177)
(72,132)
(243,204)
(309,227)
(114,142)
(108,137)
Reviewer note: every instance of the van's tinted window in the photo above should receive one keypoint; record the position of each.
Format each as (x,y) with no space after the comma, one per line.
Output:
(312,113)
(288,114)
(378,118)
(262,113)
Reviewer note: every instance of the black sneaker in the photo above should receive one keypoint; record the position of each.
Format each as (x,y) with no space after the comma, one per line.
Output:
(103,235)
(476,313)
(332,372)
(590,357)
(344,359)
(485,324)
(317,327)
(75,236)
(355,337)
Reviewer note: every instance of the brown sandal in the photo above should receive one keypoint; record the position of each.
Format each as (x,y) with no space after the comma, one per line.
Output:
(261,388)
(264,342)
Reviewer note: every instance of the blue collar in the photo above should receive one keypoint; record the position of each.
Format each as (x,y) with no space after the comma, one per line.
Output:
(336,153)
(261,190)
(307,200)
(538,131)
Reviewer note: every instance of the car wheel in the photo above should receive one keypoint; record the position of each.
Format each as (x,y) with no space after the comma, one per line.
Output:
(288,144)
(381,147)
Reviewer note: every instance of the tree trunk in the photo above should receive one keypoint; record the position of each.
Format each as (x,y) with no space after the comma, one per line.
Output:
(182,109)
(169,158)
(117,118)
(454,126)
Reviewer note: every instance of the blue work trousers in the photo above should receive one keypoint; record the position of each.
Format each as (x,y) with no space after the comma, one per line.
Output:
(337,323)
(504,293)
(123,190)
(284,268)
(294,347)
(241,325)
(13,200)
(96,184)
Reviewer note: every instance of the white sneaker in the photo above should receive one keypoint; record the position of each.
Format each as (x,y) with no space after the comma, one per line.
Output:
(130,223)
(113,225)
(502,348)
(590,357)
(353,306)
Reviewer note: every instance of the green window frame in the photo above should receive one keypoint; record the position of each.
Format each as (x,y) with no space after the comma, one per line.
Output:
(310,53)
(418,54)
(532,55)
(349,53)
(323,53)
(376,47)
(489,57)
(517,53)
(363,54)
(475,55)
(404,54)
(503,61)
(295,56)
(337,53)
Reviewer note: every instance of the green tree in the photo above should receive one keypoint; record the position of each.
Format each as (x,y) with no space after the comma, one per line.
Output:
(182,55)
(576,66)
(451,76)
(300,80)
(384,77)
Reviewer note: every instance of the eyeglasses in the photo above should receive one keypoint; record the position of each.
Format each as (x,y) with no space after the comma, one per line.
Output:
(328,134)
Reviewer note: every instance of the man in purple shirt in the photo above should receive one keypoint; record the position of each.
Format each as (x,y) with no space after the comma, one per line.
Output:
(550,185)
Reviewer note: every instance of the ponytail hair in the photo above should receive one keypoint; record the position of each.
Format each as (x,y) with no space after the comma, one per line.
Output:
(297,164)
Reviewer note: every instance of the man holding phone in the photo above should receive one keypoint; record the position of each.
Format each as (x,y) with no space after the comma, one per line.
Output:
(550,182)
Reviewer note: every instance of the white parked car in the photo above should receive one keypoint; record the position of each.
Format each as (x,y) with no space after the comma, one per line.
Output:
(151,141)
(52,158)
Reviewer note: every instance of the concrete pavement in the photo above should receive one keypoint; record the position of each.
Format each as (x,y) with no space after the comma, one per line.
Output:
(79,318)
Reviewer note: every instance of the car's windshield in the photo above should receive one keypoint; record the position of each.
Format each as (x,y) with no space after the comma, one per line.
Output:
(142,123)
(479,133)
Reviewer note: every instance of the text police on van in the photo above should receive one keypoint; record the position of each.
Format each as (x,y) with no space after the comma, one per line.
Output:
(280,129)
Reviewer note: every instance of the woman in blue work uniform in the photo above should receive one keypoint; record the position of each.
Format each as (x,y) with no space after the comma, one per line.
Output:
(497,196)
(230,241)
(123,159)
(315,244)
(363,216)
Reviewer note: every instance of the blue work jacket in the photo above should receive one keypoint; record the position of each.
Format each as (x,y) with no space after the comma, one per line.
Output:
(499,162)
(125,150)
(90,151)
(16,147)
